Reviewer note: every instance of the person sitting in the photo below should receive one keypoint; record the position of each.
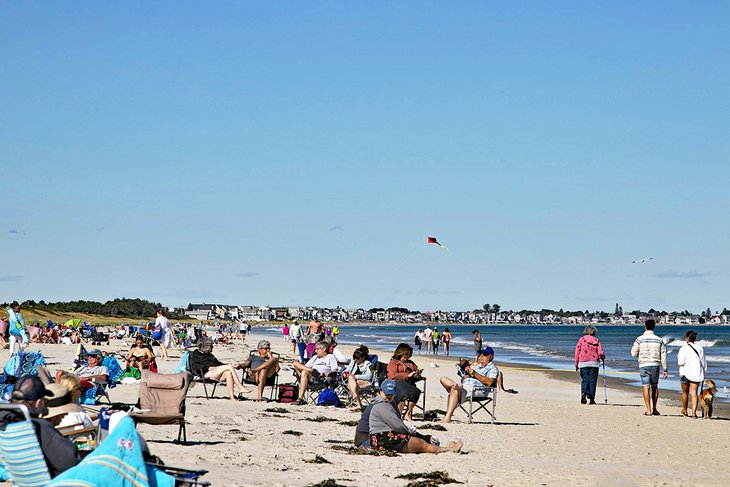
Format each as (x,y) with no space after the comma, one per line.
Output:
(262,366)
(93,369)
(342,361)
(59,453)
(203,360)
(405,373)
(140,356)
(359,374)
(482,374)
(321,364)
(389,432)
(63,410)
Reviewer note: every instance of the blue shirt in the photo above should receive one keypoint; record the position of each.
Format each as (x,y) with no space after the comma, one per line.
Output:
(490,370)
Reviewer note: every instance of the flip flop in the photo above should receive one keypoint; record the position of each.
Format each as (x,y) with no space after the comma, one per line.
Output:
(510,391)
(655,413)
(647,414)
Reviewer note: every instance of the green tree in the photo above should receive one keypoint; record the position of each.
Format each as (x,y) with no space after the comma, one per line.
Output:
(486,308)
(496,308)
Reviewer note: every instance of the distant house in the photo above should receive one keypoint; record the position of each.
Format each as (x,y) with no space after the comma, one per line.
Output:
(201,312)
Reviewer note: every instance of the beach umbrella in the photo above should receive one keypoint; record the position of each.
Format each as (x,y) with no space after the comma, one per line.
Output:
(73,323)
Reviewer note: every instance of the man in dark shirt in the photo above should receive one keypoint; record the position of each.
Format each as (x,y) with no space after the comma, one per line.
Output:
(60,453)
(203,361)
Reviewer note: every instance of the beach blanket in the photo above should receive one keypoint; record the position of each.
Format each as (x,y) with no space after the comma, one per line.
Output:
(117,462)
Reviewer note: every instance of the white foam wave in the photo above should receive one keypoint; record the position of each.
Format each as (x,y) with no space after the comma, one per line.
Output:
(724,360)
(676,342)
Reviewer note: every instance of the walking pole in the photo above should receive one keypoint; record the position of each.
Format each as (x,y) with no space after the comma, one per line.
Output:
(605,396)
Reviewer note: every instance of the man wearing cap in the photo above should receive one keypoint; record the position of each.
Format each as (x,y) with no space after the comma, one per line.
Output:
(261,366)
(389,432)
(94,369)
(59,452)
(480,375)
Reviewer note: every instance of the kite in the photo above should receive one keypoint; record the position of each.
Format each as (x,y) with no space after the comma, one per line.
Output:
(641,261)
(432,240)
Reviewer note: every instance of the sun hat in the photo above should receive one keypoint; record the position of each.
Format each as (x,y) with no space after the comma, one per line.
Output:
(487,351)
(388,387)
(60,402)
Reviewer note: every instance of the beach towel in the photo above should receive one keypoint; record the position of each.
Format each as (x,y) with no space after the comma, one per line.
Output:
(115,370)
(117,462)
(24,363)
(183,365)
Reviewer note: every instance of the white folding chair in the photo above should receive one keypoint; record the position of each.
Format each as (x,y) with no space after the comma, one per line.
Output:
(484,397)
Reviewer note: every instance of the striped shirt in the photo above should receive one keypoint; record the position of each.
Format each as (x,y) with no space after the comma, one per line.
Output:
(650,349)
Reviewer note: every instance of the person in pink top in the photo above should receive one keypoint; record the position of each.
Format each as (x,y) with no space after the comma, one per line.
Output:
(588,352)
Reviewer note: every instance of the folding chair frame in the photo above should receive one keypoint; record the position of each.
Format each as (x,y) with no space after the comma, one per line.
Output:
(272,381)
(483,403)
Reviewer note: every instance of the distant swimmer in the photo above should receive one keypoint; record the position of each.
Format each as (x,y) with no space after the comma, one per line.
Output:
(641,261)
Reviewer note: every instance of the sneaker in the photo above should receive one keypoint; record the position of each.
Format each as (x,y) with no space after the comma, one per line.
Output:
(300,402)
(592,402)
(583,399)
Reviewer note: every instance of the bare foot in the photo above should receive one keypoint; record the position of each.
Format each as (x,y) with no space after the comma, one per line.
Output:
(407,419)
(444,420)
(456,446)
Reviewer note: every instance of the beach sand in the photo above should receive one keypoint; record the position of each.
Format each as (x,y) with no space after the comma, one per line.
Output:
(543,435)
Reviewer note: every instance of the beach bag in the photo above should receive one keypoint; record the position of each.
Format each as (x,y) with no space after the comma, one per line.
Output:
(288,393)
(328,397)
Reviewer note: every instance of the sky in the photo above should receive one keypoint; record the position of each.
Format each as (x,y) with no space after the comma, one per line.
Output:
(299,153)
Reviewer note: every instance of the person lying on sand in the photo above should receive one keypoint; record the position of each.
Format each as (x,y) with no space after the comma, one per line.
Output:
(389,432)
(483,373)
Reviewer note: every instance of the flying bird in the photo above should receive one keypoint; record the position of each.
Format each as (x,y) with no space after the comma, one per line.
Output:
(432,240)
(641,261)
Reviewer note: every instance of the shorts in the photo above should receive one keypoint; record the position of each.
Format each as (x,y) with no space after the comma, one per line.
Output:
(389,441)
(649,375)
(685,380)
(478,395)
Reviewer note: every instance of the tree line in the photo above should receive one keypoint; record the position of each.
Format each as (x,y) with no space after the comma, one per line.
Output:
(121,307)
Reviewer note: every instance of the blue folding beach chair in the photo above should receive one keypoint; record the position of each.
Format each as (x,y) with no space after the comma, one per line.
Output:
(20,451)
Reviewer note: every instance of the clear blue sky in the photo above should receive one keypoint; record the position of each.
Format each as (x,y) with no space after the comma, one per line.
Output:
(300,153)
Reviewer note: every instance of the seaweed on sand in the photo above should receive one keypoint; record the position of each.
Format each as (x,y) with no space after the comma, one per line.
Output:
(348,423)
(353,450)
(317,459)
(431,426)
(327,483)
(428,479)
(320,419)
(276,410)
(338,441)
(292,432)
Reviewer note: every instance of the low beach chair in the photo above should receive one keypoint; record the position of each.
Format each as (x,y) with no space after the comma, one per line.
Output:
(198,377)
(422,406)
(20,451)
(272,381)
(483,397)
(162,400)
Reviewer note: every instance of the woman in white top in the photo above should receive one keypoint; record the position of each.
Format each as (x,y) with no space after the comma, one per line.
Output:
(692,370)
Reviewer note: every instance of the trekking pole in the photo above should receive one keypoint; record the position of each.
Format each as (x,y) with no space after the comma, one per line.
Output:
(605,396)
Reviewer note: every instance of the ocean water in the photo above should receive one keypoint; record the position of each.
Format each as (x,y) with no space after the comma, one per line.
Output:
(553,346)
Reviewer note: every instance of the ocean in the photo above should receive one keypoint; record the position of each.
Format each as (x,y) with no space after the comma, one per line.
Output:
(553,346)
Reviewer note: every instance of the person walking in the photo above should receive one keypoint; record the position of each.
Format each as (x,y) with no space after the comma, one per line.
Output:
(417,340)
(427,338)
(588,352)
(436,340)
(477,342)
(692,371)
(446,338)
(652,353)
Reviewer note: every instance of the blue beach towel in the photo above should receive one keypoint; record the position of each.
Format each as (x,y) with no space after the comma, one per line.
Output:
(115,370)
(117,462)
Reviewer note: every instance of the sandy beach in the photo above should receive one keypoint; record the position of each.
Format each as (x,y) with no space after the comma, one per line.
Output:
(543,435)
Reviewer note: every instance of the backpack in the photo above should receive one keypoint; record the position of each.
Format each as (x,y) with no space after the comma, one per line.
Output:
(328,397)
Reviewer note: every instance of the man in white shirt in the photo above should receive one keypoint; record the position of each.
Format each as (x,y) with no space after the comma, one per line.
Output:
(321,364)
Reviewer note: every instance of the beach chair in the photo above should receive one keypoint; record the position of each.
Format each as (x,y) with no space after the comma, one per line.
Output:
(198,377)
(162,400)
(422,406)
(483,397)
(272,381)
(20,451)
(380,373)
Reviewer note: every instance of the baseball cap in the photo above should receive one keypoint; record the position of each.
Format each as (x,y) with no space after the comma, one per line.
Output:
(94,353)
(487,351)
(388,387)
(30,388)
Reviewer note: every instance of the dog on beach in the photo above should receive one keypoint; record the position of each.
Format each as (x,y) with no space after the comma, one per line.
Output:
(706,398)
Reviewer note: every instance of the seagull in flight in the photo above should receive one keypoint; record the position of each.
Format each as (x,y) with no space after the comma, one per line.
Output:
(641,261)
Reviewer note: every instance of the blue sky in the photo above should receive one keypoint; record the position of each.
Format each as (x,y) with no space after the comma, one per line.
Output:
(300,153)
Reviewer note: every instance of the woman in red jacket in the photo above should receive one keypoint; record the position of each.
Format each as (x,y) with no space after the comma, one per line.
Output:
(405,373)
(588,352)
